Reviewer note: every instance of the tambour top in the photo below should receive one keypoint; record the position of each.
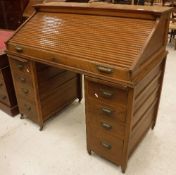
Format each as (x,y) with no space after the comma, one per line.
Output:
(117,39)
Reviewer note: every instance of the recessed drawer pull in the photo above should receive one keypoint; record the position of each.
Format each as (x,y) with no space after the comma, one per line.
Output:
(106,126)
(26,91)
(105,69)
(106,93)
(106,145)
(107,111)
(22,79)
(19,49)
(20,66)
(1,84)
(4,97)
(28,108)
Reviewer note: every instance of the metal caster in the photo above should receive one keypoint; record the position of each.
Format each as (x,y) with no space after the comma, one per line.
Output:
(89,151)
(41,128)
(79,100)
(21,117)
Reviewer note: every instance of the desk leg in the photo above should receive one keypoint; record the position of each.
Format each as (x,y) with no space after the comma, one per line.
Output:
(159,95)
(89,151)
(41,127)
(79,87)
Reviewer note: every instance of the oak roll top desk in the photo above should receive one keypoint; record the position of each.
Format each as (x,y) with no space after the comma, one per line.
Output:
(120,49)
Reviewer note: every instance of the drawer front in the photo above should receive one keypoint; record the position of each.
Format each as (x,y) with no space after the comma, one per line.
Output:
(105,126)
(19,67)
(23,80)
(4,98)
(57,100)
(25,92)
(104,111)
(53,83)
(106,94)
(104,145)
(28,109)
(2,83)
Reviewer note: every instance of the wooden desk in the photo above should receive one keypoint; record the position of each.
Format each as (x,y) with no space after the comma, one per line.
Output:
(120,49)
(8,102)
(30,9)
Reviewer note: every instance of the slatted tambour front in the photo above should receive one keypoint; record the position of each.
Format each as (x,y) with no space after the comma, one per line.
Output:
(94,38)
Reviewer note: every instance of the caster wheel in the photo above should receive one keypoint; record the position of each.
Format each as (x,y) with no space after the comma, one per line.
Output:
(79,101)
(89,152)
(41,128)
(21,117)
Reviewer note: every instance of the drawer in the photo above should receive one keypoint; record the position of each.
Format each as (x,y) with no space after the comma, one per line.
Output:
(28,109)
(4,98)
(57,100)
(105,126)
(23,80)
(106,94)
(104,111)
(55,82)
(46,73)
(19,67)
(105,145)
(2,83)
(25,92)
(7,93)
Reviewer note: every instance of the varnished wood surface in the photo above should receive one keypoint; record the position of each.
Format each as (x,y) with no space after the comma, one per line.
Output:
(69,5)
(74,36)
(41,89)
(8,102)
(121,50)
(101,42)
(29,8)
(133,118)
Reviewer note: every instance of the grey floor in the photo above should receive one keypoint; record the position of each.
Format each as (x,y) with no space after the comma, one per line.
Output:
(60,149)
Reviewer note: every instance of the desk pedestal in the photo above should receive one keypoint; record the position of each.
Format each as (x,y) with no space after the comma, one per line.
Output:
(42,90)
(118,117)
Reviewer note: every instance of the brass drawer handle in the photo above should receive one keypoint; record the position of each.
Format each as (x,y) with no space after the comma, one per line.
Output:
(106,93)
(107,111)
(106,145)
(22,79)
(26,91)
(19,49)
(106,126)
(1,84)
(20,66)
(103,69)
